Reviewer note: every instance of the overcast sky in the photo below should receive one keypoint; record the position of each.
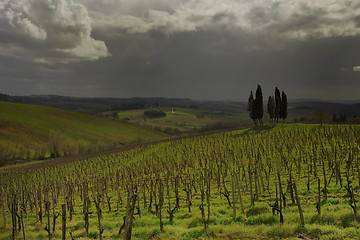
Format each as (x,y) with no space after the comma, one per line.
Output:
(200,49)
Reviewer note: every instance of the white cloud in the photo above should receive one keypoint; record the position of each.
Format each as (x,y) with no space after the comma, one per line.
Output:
(287,18)
(22,26)
(64,26)
(61,26)
(89,49)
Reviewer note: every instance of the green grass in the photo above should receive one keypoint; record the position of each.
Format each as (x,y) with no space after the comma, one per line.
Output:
(184,119)
(31,128)
(336,220)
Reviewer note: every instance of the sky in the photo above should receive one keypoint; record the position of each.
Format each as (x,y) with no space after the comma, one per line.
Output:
(199,49)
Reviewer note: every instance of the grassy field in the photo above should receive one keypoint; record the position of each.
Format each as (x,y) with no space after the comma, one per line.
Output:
(185,120)
(31,131)
(245,184)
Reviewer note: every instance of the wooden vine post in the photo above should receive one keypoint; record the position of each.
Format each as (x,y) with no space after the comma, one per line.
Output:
(63,217)
(318,204)
(47,210)
(130,207)
(302,221)
(161,203)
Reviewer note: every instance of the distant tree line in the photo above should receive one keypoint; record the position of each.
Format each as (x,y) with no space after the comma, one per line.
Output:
(4,97)
(141,105)
(128,106)
(277,106)
(339,119)
(322,116)
(154,113)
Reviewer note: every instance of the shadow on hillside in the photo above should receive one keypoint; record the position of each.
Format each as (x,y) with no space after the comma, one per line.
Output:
(263,128)
(258,129)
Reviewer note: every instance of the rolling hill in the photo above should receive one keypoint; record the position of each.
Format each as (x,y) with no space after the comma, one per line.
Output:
(37,132)
(187,120)
(259,183)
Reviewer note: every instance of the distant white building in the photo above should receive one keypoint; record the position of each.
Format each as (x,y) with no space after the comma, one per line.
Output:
(356,68)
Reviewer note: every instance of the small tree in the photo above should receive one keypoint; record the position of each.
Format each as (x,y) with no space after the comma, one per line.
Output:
(271,108)
(321,116)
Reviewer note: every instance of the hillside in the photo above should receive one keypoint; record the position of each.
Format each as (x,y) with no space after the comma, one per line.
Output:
(187,120)
(96,105)
(301,110)
(258,183)
(37,132)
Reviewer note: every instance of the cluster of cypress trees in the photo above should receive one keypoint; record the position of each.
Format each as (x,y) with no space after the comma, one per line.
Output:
(277,106)
(255,106)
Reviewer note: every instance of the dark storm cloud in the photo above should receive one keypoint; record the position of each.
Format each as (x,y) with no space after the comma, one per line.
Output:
(200,49)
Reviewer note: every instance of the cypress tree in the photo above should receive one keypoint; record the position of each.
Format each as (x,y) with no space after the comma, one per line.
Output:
(258,104)
(277,104)
(251,106)
(343,118)
(271,108)
(283,106)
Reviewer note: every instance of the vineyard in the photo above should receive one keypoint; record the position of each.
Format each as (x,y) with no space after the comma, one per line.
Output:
(287,181)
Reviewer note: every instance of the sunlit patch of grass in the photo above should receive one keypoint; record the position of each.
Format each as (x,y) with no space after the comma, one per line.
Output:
(325,218)
(225,221)
(266,218)
(93,234)
(349,220)
(109,225)
(222,211)
(257,210)
(283,231)
(313,231)
(78,225)
(195,222)
(148,220)
(184,216)
(331,232)
(198,233)
(5,235)
(238,231)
